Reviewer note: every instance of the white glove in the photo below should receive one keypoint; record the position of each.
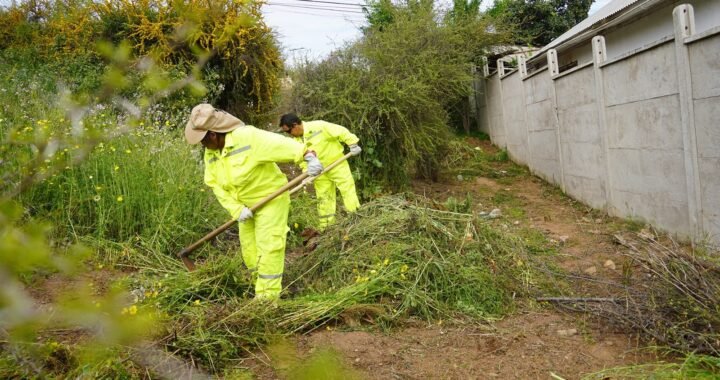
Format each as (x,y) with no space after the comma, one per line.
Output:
(314,167)
(245,214)
(355,149)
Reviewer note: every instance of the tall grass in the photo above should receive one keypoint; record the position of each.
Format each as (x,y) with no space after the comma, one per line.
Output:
(142,188)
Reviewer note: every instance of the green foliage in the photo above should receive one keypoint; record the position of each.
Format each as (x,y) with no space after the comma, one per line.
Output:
(395,259)
(395,89)
(229,36)
(693,366)
(80,159)
(538,22)
(425,262)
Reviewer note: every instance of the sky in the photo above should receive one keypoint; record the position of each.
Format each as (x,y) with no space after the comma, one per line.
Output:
(314,28)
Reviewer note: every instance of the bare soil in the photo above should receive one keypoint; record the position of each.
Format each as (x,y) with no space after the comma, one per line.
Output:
(537,342)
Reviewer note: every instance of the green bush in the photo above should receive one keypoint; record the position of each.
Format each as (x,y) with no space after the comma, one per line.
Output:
(395,89)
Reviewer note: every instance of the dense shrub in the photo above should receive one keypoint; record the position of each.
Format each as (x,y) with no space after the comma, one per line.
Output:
(230,36)
(395,89)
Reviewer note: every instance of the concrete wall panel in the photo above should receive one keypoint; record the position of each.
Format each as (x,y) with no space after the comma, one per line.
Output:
(545,161)
(496,124)
(577,89)
(542,128)
(649,74)
(580,140)
(538,88)
(649,124)
(579,124)
(705,74)
(514,117)
(705,67)
(585,190)
(710,190)
(481,112)
(651,184)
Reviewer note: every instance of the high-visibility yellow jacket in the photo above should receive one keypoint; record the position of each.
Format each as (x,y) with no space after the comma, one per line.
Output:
(244,171)
(326,138)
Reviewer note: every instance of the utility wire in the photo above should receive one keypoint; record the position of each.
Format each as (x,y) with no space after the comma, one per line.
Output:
(346,17)
(317,8)
(309,6)
(332,2)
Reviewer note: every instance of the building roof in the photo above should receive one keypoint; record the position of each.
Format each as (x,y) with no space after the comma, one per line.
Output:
(616,10)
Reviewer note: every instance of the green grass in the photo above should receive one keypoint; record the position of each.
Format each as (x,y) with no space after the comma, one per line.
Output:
(693,366)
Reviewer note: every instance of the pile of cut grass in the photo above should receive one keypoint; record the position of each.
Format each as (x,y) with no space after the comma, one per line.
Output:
(397,259)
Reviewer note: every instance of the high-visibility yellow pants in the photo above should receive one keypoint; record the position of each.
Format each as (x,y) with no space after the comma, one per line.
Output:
(262,240)
(339,178)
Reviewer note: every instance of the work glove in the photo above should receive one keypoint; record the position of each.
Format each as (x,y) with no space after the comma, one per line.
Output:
(355,149)
(245,214)
(314,167)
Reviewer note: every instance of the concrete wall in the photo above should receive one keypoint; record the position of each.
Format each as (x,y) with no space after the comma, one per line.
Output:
(645,139)
(636,131)
(705,62)
(513,103)
(580,139)
(494,117)
(542,128)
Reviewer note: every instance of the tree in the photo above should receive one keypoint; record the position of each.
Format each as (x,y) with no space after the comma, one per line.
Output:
(538,22)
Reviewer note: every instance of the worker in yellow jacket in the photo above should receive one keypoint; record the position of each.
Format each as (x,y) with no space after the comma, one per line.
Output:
(326,140)
(240,167)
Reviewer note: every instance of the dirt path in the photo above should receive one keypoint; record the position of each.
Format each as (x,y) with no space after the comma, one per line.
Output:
(534,343)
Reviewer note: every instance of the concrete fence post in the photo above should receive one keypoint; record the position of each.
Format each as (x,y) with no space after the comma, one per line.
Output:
(599,57)
(522,65)
(501,68)
(684,23)
(486,67)
(553,65)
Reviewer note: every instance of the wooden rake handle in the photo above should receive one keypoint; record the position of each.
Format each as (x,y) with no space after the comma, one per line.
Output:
(327,169)
(296,184)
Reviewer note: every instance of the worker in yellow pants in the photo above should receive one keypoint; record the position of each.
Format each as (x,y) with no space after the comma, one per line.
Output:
(326,140)
(240,167)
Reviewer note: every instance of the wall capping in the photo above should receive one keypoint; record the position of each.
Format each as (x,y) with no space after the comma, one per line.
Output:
(536,72)
(574,69)
(507,74)
(708,33)
(667,39)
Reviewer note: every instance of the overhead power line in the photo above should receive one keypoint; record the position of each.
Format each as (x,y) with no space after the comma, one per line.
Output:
(332,2)
(334,15)
(316,8)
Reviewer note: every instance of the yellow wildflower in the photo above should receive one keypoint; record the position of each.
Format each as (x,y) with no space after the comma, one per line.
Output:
(346,237)
(117,168)
(197,302)
(386,262)
(132,310)
(120,198)
(128,151)
(296,226)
